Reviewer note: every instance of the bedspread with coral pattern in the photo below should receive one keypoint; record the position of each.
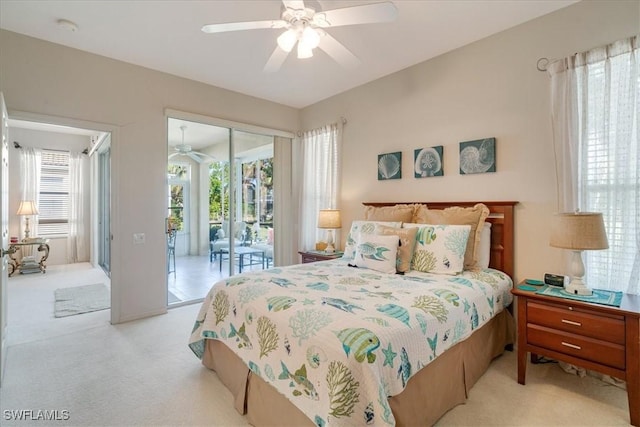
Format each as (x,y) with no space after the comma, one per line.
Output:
(337,340)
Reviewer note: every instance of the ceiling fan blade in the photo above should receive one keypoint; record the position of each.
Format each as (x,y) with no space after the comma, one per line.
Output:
(365,14)
(237,26)
(171,156)
(203,156)
(276,60)
(193,156)
(293,4)
(338,52)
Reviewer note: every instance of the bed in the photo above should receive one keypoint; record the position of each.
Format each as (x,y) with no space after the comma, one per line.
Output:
(329,344)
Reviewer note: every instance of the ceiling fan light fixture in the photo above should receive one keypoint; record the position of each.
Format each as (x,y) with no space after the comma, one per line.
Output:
(287,40)
(304,51)
(304,26)
(310,37)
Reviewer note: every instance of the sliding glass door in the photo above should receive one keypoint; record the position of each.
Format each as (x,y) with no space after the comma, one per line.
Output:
(104,206)
(220,203)
(241,203)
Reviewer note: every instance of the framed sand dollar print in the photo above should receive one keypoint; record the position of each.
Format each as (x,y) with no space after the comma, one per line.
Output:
(427,162)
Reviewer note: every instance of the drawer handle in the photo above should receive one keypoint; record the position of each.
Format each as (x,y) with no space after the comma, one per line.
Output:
(571,322)
(566,344)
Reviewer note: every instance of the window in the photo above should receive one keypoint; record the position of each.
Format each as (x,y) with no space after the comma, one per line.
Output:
(177,191)
(218,191)
(53,204)
(257,192)
(319,181)
(609,161)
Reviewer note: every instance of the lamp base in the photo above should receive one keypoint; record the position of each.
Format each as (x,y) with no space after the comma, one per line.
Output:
(26,227)
(330,248)
(577,285)
(578,288)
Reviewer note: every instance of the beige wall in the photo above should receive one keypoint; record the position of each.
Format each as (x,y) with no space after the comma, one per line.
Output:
(487,89)
(44,78)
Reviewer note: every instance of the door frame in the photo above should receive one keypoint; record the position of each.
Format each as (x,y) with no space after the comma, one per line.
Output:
(114,222)
(4,240)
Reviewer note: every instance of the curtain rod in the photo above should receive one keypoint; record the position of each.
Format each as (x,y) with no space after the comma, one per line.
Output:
(16,144)
(342,119)
(543,64)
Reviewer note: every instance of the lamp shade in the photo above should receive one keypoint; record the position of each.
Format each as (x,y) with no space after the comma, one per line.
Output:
(329,218)
(578,231)
(27,207)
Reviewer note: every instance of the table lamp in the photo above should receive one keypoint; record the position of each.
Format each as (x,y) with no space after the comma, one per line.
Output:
(329,219)
(26,209)
(578,231)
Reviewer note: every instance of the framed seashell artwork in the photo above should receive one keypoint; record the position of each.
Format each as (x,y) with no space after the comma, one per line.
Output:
(390,166)
(427,162)
(478,156)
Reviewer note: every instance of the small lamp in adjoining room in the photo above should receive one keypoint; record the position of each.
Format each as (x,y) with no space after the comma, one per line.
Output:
(578,231)
(26,209)
(329,219)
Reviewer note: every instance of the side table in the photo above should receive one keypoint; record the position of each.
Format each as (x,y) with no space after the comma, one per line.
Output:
(313,256)
(42,246)
(602,338)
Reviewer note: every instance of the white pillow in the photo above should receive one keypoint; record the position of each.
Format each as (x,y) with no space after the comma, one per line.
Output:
(377,252)
(484,248)
(440,248)
(364,227)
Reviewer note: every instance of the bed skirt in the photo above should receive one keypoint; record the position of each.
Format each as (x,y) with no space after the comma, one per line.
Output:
(440,386)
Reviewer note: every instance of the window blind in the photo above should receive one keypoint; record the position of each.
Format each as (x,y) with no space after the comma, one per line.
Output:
(53,206)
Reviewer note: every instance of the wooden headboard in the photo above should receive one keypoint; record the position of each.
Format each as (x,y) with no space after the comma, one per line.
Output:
(501,218)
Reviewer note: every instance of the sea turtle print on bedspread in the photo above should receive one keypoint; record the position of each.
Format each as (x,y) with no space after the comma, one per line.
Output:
(337,340)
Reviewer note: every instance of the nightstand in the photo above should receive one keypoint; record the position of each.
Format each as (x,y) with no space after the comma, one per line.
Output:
(313,256)
(598,337)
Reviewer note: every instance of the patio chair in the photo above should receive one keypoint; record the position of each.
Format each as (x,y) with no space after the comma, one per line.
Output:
(171,251)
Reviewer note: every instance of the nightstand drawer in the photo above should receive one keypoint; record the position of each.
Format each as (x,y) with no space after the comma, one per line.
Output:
(312,258)
(577,321)
(598,351)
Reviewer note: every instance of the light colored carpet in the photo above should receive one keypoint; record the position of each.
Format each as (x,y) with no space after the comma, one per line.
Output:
(142,373)
(81,299)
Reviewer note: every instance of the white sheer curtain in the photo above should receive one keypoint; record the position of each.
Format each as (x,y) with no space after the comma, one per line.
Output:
(320,180)
(595,113)
(30,161)
(77,239)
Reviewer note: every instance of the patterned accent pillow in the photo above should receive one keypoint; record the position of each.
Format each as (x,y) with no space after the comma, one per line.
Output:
(407,244)
(365,227)
(440,248)
(457,215)
(377,252)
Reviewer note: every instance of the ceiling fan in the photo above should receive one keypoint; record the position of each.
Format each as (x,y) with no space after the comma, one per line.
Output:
(306,26)
(185,150)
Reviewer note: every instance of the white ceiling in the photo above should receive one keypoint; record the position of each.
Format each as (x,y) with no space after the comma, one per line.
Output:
(165,35)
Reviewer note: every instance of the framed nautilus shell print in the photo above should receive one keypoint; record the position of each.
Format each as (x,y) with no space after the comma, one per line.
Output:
(390,166)
(427,162)
(478,156)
